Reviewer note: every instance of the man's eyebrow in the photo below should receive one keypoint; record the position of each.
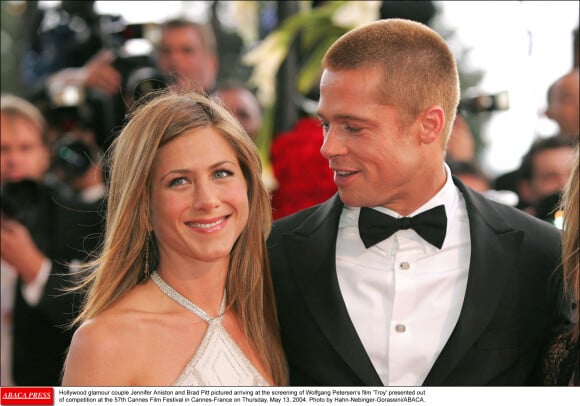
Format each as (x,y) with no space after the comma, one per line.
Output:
(344,117)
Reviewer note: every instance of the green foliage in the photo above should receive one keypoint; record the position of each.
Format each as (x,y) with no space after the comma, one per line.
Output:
(311,31)
(12,37)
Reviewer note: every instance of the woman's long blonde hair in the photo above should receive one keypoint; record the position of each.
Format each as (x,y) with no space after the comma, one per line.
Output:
(122,260)
(570,240)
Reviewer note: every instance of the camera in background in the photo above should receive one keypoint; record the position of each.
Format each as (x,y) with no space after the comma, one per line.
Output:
(476,102)
(77,164)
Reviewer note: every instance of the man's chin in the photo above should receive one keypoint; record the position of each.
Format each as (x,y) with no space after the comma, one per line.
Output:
(350,199)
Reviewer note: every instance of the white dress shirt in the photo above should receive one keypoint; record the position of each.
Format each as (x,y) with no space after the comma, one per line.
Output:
(8,277)
(32,293)
(404,295)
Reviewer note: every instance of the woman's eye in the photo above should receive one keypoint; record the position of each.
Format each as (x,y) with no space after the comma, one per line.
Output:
(222,173)
(178,181)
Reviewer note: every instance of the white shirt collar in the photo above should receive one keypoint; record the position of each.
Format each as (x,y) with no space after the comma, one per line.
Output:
(448,196)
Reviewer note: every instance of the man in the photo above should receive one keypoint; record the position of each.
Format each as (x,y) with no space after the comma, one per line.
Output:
(187,53)
(241,101)
(564,103)
(563,108)
(40,234)
(24,153)
(455,302)
(243,104)
(544,171)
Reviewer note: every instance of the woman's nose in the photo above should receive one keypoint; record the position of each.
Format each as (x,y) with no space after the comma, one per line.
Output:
(206,197)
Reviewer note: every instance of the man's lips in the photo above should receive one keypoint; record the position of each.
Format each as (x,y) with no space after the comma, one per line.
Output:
(344,172)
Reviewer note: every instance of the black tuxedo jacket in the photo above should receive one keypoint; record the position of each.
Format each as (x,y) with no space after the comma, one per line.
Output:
(512,301)
(64,231)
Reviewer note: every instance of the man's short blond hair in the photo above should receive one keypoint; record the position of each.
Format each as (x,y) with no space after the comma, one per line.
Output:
(14,106)
(418,67)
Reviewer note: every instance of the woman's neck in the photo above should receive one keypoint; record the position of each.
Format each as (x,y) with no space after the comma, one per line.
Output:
(202,284)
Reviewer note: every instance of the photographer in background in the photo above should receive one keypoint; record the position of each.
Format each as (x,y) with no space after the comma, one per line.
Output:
(77,67)
(187,54)
(41,234)
(544,171)
(79,60)
(67,66)
(563,108)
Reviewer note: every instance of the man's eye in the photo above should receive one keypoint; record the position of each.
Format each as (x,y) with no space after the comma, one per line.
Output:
(351,129)
(242,114)
(188,51)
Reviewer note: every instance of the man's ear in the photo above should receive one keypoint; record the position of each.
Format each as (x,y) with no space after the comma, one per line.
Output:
(432,123)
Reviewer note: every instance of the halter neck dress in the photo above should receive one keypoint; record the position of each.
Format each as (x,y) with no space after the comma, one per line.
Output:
(218,360)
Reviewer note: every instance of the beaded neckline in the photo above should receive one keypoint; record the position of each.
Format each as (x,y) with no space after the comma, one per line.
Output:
(182,300)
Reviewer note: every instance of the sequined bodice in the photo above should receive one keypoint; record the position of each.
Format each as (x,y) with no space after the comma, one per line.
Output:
(218,360)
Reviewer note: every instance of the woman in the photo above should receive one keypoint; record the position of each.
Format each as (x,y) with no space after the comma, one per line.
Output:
(562,364)
(181,293)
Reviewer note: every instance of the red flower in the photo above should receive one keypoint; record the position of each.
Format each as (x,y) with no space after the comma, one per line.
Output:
(303,176)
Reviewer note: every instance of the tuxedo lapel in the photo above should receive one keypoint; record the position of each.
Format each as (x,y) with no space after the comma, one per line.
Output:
(494,250)
(315,272)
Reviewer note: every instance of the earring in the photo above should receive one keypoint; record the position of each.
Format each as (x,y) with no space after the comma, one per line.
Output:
(147,270)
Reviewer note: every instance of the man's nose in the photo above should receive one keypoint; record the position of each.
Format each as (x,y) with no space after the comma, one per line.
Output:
(331,146)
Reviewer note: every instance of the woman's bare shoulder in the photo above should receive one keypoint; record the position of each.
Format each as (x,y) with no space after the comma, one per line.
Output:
(109,349)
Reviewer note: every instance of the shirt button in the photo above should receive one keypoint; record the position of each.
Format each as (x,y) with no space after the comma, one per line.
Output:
(400,328)
(404,266)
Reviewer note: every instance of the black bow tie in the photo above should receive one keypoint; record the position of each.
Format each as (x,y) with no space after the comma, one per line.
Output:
(374,226)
